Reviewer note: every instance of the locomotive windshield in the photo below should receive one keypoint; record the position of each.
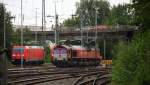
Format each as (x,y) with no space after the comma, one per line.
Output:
(18,50)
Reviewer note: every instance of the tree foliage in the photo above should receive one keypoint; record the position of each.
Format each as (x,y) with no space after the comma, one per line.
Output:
(132,62)
(8,26)
(73,22)
(142,12)
(120,14)
(26,35)
(86,11)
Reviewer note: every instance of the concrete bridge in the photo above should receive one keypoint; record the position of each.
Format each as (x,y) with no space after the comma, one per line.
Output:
(107,36)
(103,32)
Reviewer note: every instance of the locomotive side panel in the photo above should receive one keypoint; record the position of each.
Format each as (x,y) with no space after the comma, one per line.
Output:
(86,58)
(35,53)
(29,54)
(85,54)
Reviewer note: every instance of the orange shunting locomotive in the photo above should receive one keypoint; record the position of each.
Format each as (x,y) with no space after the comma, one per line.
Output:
(75,55)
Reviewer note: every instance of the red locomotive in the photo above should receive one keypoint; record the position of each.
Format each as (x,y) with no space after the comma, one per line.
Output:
(75,55)
(30,54)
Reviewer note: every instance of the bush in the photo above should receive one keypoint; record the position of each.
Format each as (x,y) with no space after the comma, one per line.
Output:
(47,55)
(132,62)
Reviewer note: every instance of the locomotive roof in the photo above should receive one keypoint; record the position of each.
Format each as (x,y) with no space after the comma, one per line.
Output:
(28,47)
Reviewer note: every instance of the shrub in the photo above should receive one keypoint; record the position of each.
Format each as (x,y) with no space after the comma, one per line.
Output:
(132,62)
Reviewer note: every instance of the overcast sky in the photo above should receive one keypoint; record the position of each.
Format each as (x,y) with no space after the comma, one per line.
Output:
(65,8)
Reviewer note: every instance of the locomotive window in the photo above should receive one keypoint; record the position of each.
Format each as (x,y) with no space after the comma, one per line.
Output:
(63,51)
(60,50)
(56,51)
(18,50)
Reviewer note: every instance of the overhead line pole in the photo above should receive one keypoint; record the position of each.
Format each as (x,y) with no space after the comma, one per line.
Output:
(81,24)
(56,25)
(21,33)
(44,20)
(96,45)
(36,25)
(4,26)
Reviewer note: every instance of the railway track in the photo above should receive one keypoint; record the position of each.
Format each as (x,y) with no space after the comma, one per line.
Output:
(99,78)
(41,69)
(35,76)
(41,79)
(16,69)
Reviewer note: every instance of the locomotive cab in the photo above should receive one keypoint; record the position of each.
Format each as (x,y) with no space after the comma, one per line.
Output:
(60,55)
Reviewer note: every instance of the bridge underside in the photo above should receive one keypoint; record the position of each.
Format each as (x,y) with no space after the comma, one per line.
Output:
(121,35)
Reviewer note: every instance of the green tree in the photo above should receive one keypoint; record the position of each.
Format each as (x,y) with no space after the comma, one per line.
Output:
(87,10)
(141,12)
(16,37)
(120,14)
(8,26)
(26,35)
(132,62)
(73,22)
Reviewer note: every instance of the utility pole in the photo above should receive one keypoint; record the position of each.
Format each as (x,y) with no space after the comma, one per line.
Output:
(56,26)
(35,25)
(21,34)
(104,42)
(4,26)
(42,16)
(81,25)
(43,19)
(96,42)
